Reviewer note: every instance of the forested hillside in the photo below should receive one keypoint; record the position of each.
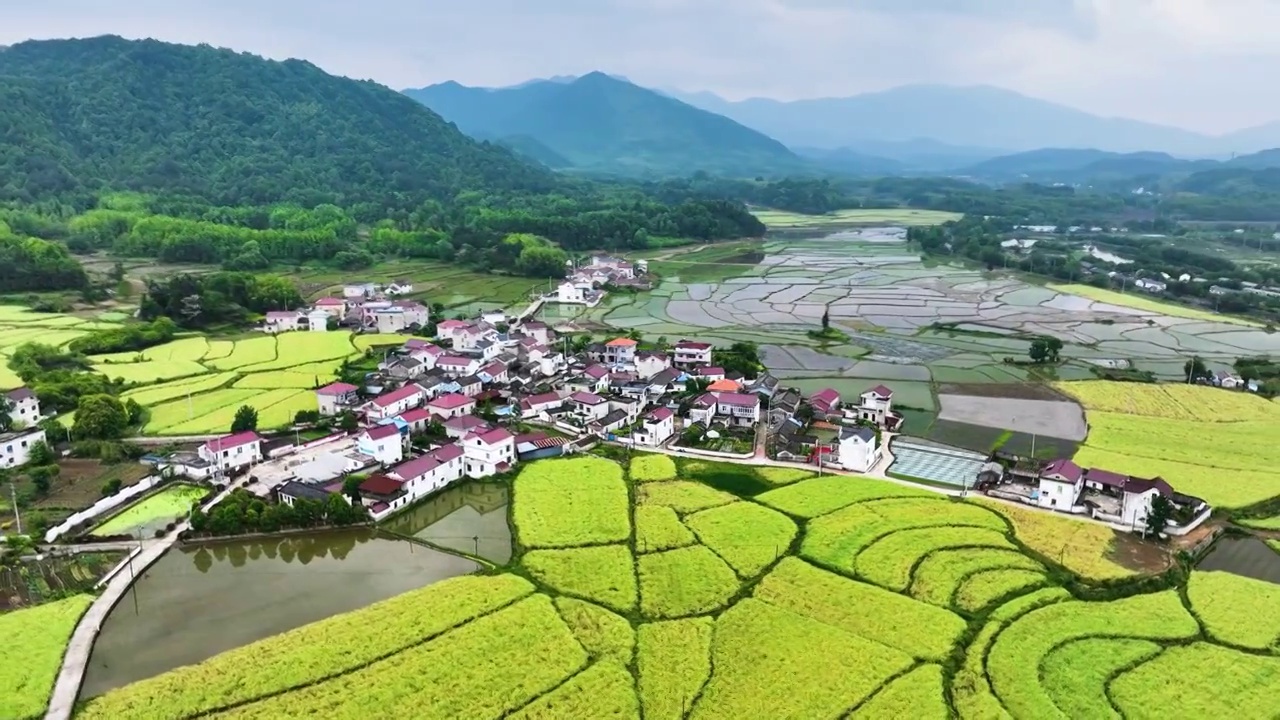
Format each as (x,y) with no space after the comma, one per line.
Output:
(604,124)
(197,154)
(233,128)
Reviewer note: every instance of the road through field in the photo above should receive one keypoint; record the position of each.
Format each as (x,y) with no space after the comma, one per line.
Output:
(66,689)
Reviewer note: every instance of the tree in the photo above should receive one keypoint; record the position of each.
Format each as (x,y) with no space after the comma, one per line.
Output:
(351,487)
(826,319)
(42,477)
(1045,349)
(41,454)
(6,420)
(111,487)
(347,421)
(134,411)
(100,417)
(246,419)
(1194,369)
(1161,512)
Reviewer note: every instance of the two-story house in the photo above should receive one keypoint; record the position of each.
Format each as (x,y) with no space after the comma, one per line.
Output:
(825,402)
(450,330)
(284,321)
(650,363)
(394,402)
(588,406)
(538,331)
(431,472)
(334,398)
(1061,482)
(690,353)
(457,365)
(15,447)
(334,307)
(620,351)
(858,450)
(382,443)
(874,405)
(463,425)
(489,453)
(656,426)
(23,407)
(738,408)
(232,452)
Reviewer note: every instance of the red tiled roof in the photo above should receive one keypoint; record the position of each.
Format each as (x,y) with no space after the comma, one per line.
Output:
(691,345)
(464,422)
(880,391)
(451,401)
(22,393)
(390,398)
(1065,468)
(330,301)
(379,432)
(415,415)
(824,399)
(738,400)
(708,371)
(1105,477)
(445,453)
(621,342)
(1139,486)
(494,369)
(705,400)
(455,361)
(381,485)
(596,371)
(543,399)
(586,398)
(659,415)
(338,388)
(228,442)
(451,325)
(492,437)
(531,437)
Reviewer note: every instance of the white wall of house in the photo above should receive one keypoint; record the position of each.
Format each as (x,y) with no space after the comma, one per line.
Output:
(1058,494)
(24,412)
(858,456)
(387,450)
(235,457)
(482,459)
(656,433)
(15,448)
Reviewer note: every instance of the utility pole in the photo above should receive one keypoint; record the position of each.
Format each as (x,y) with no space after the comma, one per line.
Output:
(13,493)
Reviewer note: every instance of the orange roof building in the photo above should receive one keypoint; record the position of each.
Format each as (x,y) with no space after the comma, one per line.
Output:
(725,385)
(621,342)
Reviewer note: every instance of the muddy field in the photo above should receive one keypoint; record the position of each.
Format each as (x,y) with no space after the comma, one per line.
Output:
(1057,419)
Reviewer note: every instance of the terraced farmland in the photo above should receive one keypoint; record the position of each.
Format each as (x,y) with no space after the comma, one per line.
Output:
(828,597)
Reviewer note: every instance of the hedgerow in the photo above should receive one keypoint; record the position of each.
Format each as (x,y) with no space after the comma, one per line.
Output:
(1013,665)
(984,588)
(1075,675)
(673,661)
(889,560)
(939,575)
(748,536)
(604,690)
(312,652)
(652,467)
(571,502)
(486,668)
(918,695)
(601,632)
(683,582)
(31,655)
(658,528)
(772,663)
(1201,681)
(682,496)
(823,495)
(1236,609)
(602,574)
(923,631)
(836,539)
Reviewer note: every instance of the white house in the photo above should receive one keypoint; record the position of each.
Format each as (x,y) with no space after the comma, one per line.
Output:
(649,364)
(427,354)
(620,351)
(703,409)
(23,407)
(874,405)
(15,447)
(1227,380)
(1137,499)
(576,292)
(386,320)
(457,365)
(382,443)
(489,453)
(451,405)
(858,450)
(1151,286)
(536,405)
(655,427)
(284,321)
(494,372)
(415,313)
(450,329)
(318,320)
(538,331)
(233,451)
(463,425)
(431,472)
(740,408)
(689,352)
(589,406)
(399,287)
(336,397)
(395,402)
(335,307)
(1061,482)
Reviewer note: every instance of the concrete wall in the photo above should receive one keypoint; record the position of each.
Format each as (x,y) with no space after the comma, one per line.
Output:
(125,495)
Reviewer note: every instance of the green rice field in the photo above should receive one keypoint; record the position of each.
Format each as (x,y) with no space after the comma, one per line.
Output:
(144,517)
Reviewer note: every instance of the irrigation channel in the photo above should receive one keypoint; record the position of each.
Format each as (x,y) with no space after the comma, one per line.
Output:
(1247,556)
(203,599)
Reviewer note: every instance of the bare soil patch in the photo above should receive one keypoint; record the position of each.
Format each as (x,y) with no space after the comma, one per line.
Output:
(1052,418)
(79,483)
(1017,391)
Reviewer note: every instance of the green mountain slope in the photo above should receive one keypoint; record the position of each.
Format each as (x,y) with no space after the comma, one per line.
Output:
(77,116)
(599,123)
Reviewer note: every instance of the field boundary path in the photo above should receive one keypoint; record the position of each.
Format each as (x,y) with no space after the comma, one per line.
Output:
(66,689)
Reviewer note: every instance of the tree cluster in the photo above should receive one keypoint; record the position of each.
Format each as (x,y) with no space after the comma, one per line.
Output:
(125,338)
(243,512)
(198,301)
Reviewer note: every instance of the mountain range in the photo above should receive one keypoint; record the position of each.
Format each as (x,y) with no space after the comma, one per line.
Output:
(975,117)
(602,123)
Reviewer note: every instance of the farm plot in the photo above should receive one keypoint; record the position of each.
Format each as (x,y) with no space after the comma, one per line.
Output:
(149,371)
(893,585)
(213,412)
(156,394)
(152,512)
(28,668)
(1054,419)
(563,503)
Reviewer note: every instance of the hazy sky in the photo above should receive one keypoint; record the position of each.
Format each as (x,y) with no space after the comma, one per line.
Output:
(1207,65)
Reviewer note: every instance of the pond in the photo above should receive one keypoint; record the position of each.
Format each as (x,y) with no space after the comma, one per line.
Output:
(198,601)
(470,518)
(1243,556)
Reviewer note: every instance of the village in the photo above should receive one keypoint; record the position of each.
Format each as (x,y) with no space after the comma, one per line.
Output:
(491,391)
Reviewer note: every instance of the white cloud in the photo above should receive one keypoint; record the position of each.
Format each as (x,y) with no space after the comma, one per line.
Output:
(1203,64)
